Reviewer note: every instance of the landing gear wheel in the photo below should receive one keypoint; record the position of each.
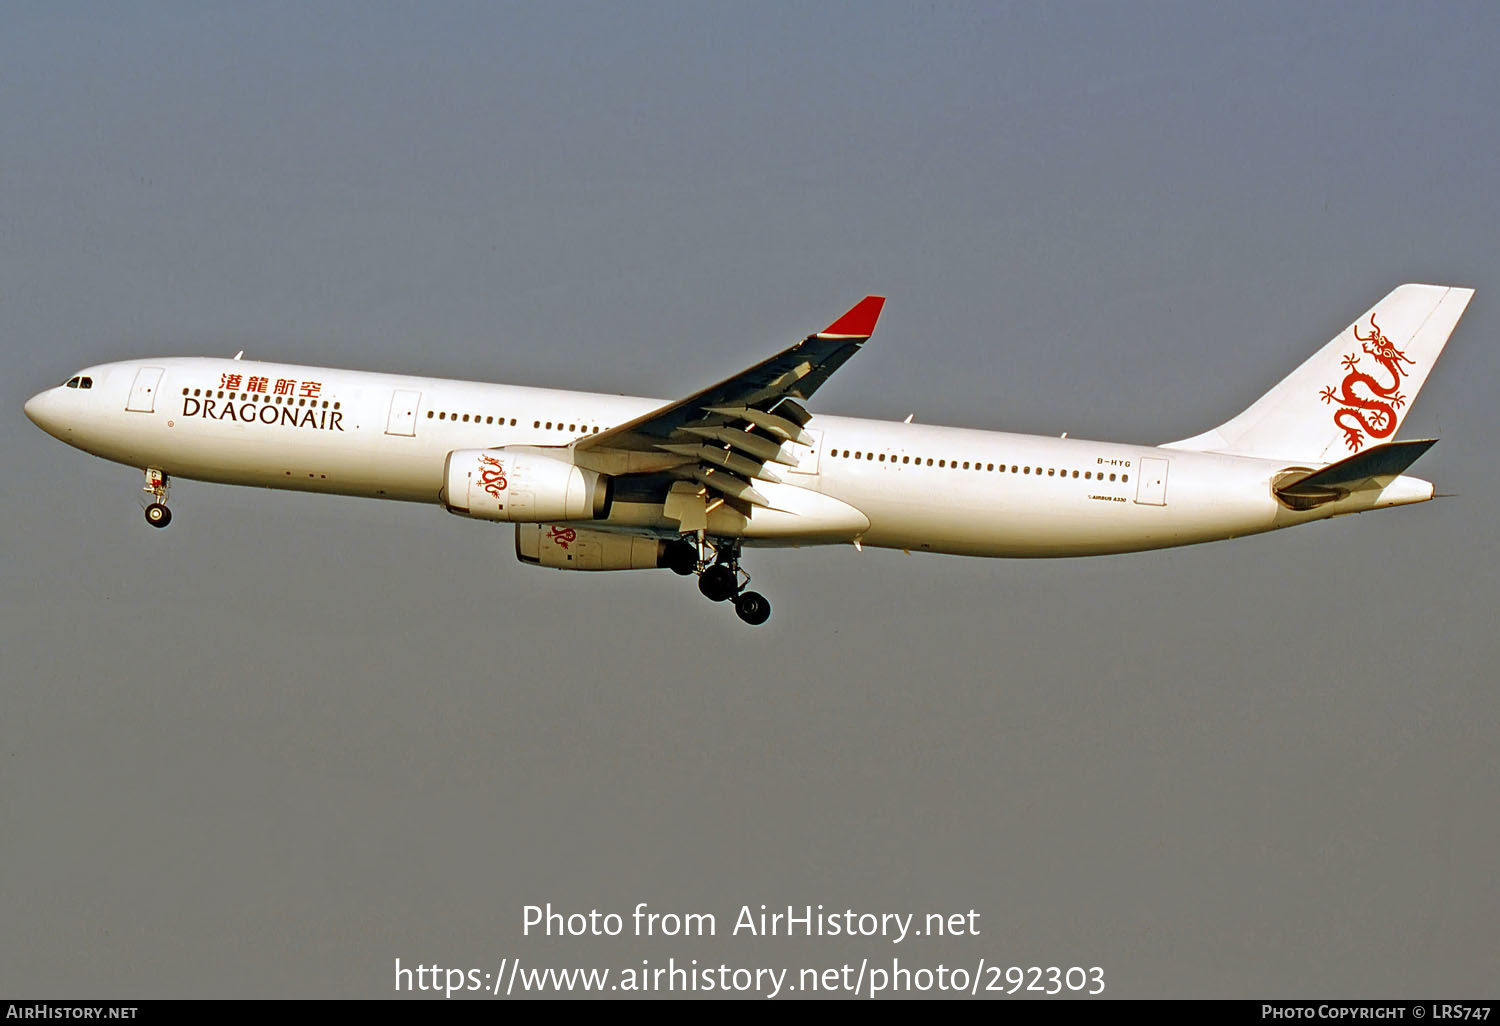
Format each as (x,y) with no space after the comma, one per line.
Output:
(752,607)
(157,484)
(718,582)
(681,558)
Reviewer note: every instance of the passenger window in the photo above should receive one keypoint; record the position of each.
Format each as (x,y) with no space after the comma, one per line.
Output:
(1124,477)
(942,463)
(857,455)
(882,457)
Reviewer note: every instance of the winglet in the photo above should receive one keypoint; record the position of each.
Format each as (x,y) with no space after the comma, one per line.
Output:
(859,322)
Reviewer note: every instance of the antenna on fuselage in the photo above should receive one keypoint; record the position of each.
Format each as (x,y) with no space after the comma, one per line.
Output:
(239,354)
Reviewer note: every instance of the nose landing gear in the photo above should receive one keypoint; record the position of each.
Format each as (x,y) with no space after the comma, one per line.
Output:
(157,485)
(721,579)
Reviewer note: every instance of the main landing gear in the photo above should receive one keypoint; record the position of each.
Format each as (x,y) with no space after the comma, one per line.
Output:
(720,578)
(157,484)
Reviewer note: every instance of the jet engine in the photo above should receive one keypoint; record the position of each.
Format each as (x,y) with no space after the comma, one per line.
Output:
(565,547)
(522,487)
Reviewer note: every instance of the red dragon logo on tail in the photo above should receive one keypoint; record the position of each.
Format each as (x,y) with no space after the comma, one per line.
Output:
(1373,414)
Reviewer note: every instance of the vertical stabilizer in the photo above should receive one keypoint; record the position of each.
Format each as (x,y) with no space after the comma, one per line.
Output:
(1352,393)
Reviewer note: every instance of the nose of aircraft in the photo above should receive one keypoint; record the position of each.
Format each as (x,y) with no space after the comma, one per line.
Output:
(42,410)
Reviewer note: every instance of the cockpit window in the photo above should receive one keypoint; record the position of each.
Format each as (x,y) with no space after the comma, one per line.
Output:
(72,382)
(85,382)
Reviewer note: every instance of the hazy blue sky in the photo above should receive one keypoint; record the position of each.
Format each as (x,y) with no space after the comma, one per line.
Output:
(293,738)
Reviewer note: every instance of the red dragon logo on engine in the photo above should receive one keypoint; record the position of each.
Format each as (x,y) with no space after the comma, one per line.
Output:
(492,476)
(1373,414)
(562,536)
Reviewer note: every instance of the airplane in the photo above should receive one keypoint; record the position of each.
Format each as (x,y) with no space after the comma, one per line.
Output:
(602,482)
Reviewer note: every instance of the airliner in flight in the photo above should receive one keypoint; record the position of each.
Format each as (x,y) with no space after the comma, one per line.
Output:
(609,482)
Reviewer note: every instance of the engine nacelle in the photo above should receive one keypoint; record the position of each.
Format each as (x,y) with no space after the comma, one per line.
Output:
(577,548)
(522,487)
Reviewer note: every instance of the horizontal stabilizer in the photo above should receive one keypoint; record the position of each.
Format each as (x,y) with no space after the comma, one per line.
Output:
(1363,470)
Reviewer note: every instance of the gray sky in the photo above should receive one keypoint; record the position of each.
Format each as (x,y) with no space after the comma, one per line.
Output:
(293,738)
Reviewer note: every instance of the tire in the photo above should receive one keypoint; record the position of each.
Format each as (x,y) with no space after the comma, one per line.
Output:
(718,583)
(158,515)
(753,608)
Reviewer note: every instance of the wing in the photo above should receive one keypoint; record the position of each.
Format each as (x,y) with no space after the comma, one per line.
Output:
(732,434)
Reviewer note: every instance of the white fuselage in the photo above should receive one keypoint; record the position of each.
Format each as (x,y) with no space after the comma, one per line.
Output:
(920,487)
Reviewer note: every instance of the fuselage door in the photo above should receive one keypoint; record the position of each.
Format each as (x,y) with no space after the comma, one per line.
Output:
(1152,487)
(403,420)
(143,392)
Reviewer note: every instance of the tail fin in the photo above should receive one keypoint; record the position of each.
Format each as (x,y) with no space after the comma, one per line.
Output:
(1353,392)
